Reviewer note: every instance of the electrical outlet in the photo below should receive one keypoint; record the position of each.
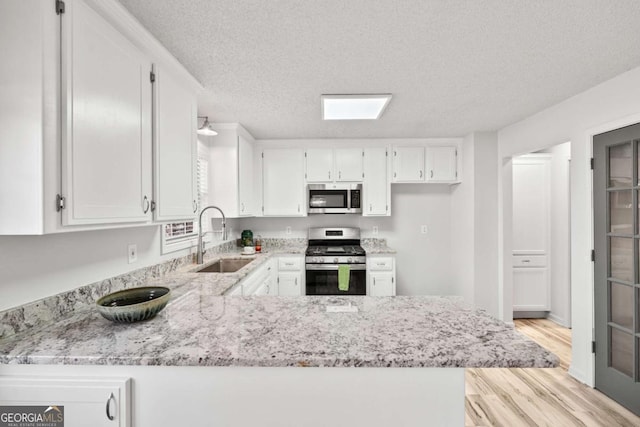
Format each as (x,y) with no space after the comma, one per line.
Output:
(288,231)
(132,251)
(375,230)
(423,229)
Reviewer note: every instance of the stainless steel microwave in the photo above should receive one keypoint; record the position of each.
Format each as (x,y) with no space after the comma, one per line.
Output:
(334,198)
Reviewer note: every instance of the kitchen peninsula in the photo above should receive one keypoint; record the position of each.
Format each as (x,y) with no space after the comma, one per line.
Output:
(238,360)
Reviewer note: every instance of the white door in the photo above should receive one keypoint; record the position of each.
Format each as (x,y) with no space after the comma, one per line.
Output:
(349,164)
(283,182)
(79,402)
(381,284)
(442,164)
(245,177)
(376,182)
(289,284)
(106,113)
(408,164)
(175,150)
(319,162)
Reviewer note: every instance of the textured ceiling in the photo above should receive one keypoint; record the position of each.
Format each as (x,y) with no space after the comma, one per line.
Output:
(453,66)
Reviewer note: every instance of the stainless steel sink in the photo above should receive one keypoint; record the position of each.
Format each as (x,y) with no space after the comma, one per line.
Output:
(225,266)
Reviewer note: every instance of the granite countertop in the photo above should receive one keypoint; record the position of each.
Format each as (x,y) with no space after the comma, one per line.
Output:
(201,328)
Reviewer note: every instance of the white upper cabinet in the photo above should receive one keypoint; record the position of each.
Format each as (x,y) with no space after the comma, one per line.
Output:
(330,165)
(231,177)
(106,122)
(319,162)
(174,148)
(77,150)
(376,182)
(408,164)
(283,187)
(442,164)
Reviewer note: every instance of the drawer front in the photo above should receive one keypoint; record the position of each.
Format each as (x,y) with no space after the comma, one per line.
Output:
(529,260)
(289,264)
(380,264)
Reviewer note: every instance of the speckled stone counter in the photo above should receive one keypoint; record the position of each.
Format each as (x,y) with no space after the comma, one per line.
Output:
(376,246)
(201,328)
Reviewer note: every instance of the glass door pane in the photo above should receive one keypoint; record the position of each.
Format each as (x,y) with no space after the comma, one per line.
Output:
(621,165)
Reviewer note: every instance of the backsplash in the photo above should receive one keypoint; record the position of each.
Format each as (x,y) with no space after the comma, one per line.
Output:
(52,308)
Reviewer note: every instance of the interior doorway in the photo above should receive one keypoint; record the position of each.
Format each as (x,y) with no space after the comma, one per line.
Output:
(541,252)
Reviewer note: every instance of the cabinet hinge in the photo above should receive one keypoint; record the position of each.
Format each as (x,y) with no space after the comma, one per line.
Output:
(305,154)
(395,153)
(456,152)
(60,202)
(593,347)
(305,176)
(59,7)
(278,280)
(386,208)
(593,163)
(593,255)
(363,174)
(386,153)
(263,154)
(152,76)
(362,153)
(153,205)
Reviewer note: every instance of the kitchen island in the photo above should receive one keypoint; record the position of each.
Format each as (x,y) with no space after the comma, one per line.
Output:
(239,360)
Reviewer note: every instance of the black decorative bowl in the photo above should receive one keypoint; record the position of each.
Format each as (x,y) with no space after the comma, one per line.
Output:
(133,305)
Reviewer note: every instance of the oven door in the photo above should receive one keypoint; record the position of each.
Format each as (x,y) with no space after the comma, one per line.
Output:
(322,279)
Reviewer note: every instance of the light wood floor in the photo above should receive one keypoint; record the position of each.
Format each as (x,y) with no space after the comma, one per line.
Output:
(539,397)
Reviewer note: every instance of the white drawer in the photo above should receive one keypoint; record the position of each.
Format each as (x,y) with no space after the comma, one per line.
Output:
(289,264)
(380,263)
(529,260)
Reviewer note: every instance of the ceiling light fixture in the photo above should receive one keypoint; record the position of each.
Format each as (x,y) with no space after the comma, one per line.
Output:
(354,107)
(206,128)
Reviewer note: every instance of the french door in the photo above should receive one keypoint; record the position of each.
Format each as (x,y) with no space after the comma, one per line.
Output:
(616,197)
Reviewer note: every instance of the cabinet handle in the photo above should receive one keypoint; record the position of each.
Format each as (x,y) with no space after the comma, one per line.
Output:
(370,207)
(420,173)
(374,281)
(525,260)
(145,204)
(242,207)
(108,408)
(329,174)
(298,208)
(431,173)
(296,281)
(195,206)
(339,174)
(394,174)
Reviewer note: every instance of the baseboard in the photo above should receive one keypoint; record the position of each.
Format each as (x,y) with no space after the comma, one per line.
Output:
(559,320)
(530,314)
(579,375)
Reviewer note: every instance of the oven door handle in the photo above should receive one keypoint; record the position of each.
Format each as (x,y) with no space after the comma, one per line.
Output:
(333,267)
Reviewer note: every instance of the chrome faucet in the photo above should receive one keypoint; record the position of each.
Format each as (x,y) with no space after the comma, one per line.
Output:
(201,250)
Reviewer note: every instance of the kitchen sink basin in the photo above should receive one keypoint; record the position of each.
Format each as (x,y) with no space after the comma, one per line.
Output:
(225,266)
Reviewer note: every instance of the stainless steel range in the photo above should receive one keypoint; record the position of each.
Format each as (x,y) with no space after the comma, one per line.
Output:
(331,250)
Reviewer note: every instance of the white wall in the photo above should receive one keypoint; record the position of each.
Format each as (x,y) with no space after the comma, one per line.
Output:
(34,267)
(423,260)
(474,224)
(612,104)
(559,254)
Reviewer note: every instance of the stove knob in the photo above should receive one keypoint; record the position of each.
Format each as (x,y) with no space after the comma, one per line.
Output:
(335,260)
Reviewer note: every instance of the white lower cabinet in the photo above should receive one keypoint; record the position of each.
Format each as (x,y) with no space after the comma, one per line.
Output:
(381,275)
(76,401)
(291,275)
(258,282)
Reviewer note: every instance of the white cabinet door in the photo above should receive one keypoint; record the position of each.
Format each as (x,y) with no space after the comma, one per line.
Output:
(174,148)
(348,164)
(382,284)
(376,182)
(319,163)
(289,283)
(442,164)
(283,182)
(531,289)
(106,122)
(79,402)
(245,177)
(408,164)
